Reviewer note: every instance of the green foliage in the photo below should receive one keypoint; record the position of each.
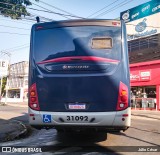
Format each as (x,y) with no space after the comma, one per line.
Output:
(14,8)
(3,85)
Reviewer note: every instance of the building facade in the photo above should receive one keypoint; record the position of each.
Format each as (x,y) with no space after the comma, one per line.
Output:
(143,30)
(18,82)
(145,85)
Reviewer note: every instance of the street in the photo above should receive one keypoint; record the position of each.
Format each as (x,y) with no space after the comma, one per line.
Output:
(80,64)
(144,131)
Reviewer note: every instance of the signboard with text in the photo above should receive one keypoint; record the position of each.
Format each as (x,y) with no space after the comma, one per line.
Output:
(141,11)
(142,21)
(3,68)
(143,27)
(136,76)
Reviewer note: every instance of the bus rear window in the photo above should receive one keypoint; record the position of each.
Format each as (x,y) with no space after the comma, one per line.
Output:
(101,43)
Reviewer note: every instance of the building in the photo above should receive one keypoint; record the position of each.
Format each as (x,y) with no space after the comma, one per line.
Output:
(143,30)
(18,82)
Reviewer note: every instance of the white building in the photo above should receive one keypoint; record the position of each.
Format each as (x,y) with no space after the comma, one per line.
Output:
(18,82)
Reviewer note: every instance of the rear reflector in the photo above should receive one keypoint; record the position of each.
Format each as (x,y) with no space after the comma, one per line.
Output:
(31,114)
(125,115)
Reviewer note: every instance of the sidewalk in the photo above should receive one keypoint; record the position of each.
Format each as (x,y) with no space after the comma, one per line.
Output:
(147,114)
(10,127)
(21,104)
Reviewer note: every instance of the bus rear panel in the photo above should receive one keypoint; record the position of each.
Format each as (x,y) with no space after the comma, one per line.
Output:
(79,75)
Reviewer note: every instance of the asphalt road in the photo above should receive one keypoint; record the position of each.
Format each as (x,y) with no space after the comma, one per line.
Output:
(144,131)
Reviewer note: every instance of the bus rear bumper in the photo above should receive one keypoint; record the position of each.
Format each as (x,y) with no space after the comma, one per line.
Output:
(110,121)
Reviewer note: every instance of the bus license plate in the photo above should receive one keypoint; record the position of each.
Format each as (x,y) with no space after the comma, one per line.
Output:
(77,118)
(77,106)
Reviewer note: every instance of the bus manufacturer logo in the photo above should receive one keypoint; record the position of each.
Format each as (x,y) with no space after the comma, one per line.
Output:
(75,67)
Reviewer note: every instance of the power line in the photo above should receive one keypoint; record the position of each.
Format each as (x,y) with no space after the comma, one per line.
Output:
(49,11)
(16,47)
(113,8)
(16,21)
(14,33)
(102,9)
(15,50)
(35,15)
(14,27)
(46,10)
(59,9)
(13,10)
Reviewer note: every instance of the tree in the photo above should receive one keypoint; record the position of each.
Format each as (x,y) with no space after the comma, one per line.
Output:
(3,85)
(14,8)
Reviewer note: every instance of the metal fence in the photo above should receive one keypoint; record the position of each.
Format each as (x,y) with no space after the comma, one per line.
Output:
(143,103)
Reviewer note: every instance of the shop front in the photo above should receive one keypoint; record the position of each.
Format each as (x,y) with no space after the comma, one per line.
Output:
(145,85)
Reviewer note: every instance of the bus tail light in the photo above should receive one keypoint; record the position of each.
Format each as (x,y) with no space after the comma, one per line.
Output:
(33,98)
(122,97)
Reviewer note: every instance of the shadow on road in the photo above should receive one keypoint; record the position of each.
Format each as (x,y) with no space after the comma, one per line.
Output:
(146,130)
(82,142)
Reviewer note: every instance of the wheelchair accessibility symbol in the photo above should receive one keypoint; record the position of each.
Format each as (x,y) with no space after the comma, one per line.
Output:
(47,118)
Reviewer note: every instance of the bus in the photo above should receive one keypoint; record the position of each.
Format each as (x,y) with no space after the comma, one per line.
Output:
(79,76)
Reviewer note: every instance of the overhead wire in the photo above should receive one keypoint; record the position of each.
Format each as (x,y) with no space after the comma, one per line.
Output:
(15,21)
(13,27)
(16,47)
(50,11)
(15,10)
(15,33)
(102,8)
(35,15)
(35,9)
(114,8)
(59,9)
(15,50)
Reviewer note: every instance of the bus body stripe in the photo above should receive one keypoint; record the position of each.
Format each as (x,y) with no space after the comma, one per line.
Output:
(79,58)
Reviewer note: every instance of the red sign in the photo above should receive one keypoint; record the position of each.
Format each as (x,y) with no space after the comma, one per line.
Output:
(136,76)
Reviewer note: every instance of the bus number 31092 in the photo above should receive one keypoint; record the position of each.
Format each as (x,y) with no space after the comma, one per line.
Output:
(77,118)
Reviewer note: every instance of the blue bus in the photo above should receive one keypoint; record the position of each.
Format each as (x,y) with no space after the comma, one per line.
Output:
(79,76)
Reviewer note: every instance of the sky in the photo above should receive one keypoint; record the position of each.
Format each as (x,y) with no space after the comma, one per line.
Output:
(16,40)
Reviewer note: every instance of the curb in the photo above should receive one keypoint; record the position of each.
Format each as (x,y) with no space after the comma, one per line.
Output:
(11,136)
(22,133)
